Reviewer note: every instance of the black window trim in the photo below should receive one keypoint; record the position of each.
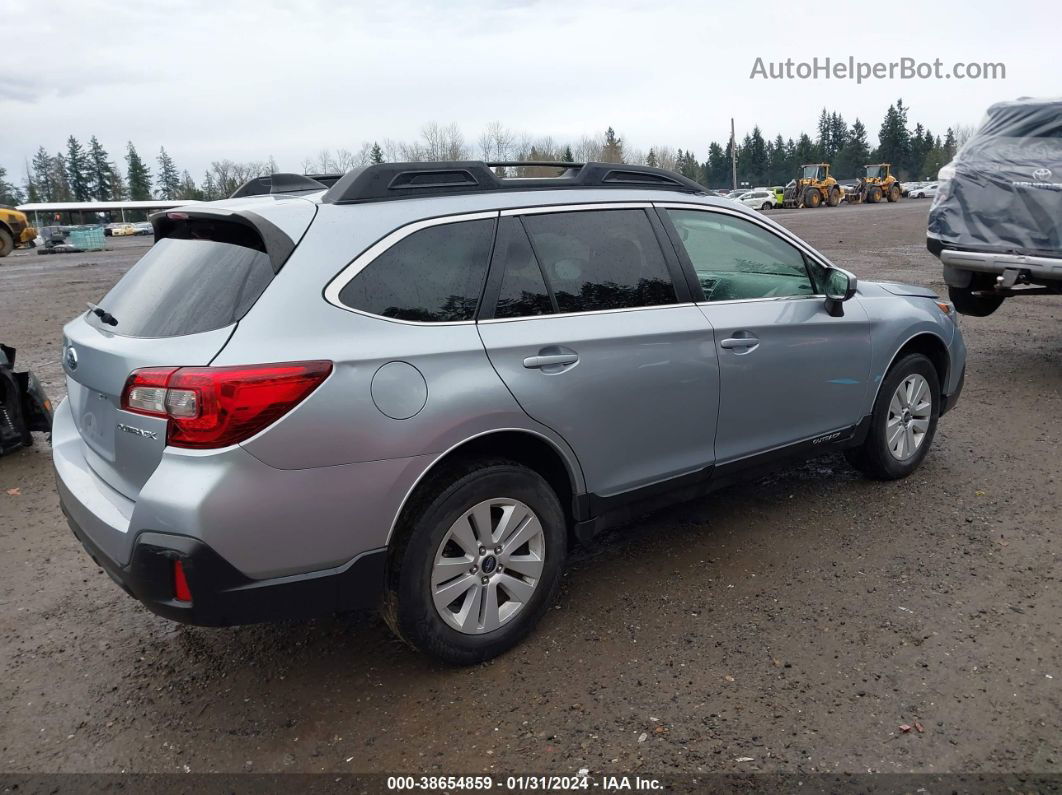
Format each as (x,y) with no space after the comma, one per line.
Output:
(338,282)
(679,278)
(807,252)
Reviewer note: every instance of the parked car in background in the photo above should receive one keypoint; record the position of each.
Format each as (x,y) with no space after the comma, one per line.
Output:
(143,228)
(121,230)
(421,385)
(996,221)
(759,199)
(925,191)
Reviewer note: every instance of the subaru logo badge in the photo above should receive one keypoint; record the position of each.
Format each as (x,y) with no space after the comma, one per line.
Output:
(1042,174)
(70,357)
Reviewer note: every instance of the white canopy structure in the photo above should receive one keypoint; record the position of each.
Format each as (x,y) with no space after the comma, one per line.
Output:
(101,207)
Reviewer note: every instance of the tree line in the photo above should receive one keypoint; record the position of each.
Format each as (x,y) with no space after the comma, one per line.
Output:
(88,173)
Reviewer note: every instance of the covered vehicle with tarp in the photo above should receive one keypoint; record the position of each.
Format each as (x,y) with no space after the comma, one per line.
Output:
(996,221)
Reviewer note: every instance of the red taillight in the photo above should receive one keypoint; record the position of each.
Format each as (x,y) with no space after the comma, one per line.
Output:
(218,406)
(181,591)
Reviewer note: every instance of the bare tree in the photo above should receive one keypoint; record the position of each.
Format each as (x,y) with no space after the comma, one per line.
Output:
(496,142)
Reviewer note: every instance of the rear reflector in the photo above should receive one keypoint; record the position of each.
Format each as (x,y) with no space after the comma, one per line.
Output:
(181,591)
(211,407)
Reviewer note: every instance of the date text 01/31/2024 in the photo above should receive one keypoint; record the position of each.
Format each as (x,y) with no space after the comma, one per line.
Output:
(519,783)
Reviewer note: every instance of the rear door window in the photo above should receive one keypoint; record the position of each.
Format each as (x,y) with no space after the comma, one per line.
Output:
(434,275)
(207,276)
(595,260)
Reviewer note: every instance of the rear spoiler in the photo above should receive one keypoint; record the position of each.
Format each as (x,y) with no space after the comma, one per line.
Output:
(275,243)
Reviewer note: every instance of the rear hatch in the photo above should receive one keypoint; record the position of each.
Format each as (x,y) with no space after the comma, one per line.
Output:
(1006,192)
(177,306)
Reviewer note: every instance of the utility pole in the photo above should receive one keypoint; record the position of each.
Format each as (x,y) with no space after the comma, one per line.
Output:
(733,156)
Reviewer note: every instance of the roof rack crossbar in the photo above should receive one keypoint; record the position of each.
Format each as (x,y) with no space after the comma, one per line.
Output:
(389,181)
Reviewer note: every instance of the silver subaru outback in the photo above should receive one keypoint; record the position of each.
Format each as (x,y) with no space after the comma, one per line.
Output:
(416,384)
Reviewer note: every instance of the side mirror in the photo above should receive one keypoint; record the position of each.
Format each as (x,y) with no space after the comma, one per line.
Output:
(840,286)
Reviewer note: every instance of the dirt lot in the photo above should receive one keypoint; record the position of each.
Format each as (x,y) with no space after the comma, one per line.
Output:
(795,623)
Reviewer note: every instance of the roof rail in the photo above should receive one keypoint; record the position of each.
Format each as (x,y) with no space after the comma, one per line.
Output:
(389,181)
(281,182)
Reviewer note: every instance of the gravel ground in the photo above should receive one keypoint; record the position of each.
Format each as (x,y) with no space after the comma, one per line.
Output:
(790,625)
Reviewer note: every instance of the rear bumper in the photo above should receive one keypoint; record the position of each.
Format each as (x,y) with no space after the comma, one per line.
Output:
(1049,268)
(221,595)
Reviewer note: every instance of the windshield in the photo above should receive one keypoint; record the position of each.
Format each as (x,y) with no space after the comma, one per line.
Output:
(874,171)
(813,172)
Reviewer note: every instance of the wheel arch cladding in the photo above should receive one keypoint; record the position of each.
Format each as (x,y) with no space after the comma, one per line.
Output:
(933,348)
(520,447)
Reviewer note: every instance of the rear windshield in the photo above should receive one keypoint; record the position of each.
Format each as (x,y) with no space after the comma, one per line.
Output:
(190,283)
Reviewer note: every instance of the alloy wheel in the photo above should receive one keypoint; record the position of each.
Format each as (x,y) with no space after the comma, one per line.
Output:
(909,413)
(488,566)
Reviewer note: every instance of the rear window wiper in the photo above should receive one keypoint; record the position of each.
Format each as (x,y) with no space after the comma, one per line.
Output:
(103,315)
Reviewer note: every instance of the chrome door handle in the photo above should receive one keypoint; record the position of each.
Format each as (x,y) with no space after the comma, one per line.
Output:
(536,362)
(740,342)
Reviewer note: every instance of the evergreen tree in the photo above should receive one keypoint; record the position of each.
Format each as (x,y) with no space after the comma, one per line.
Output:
(717,168)
(949,144)
(650,160)
(77,170)
(168,185)
(33,193)
(42,169)
(101,171)
(823,138)
(612,150)
(779,171)
(753,162)
(59,180)
(568,157)
(138,176)
(188,189)
(9,193)
(376,154)
(894,142)
(116,184)
(805,152)
(854,154)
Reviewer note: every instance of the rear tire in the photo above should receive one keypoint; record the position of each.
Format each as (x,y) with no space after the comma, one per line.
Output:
(894,193)
(966,303)
(450,541)
(835,197)
(7,243)
(766,206)
(903,422)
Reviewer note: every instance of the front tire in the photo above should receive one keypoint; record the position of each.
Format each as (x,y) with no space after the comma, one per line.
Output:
(479,563)
(7,243)
(903,422)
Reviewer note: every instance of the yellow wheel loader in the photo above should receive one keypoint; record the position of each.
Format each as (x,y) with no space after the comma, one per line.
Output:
(813,187)
(875,184)
(15,230)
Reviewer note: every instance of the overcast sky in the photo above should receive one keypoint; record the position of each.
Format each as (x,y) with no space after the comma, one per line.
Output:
(246,79)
